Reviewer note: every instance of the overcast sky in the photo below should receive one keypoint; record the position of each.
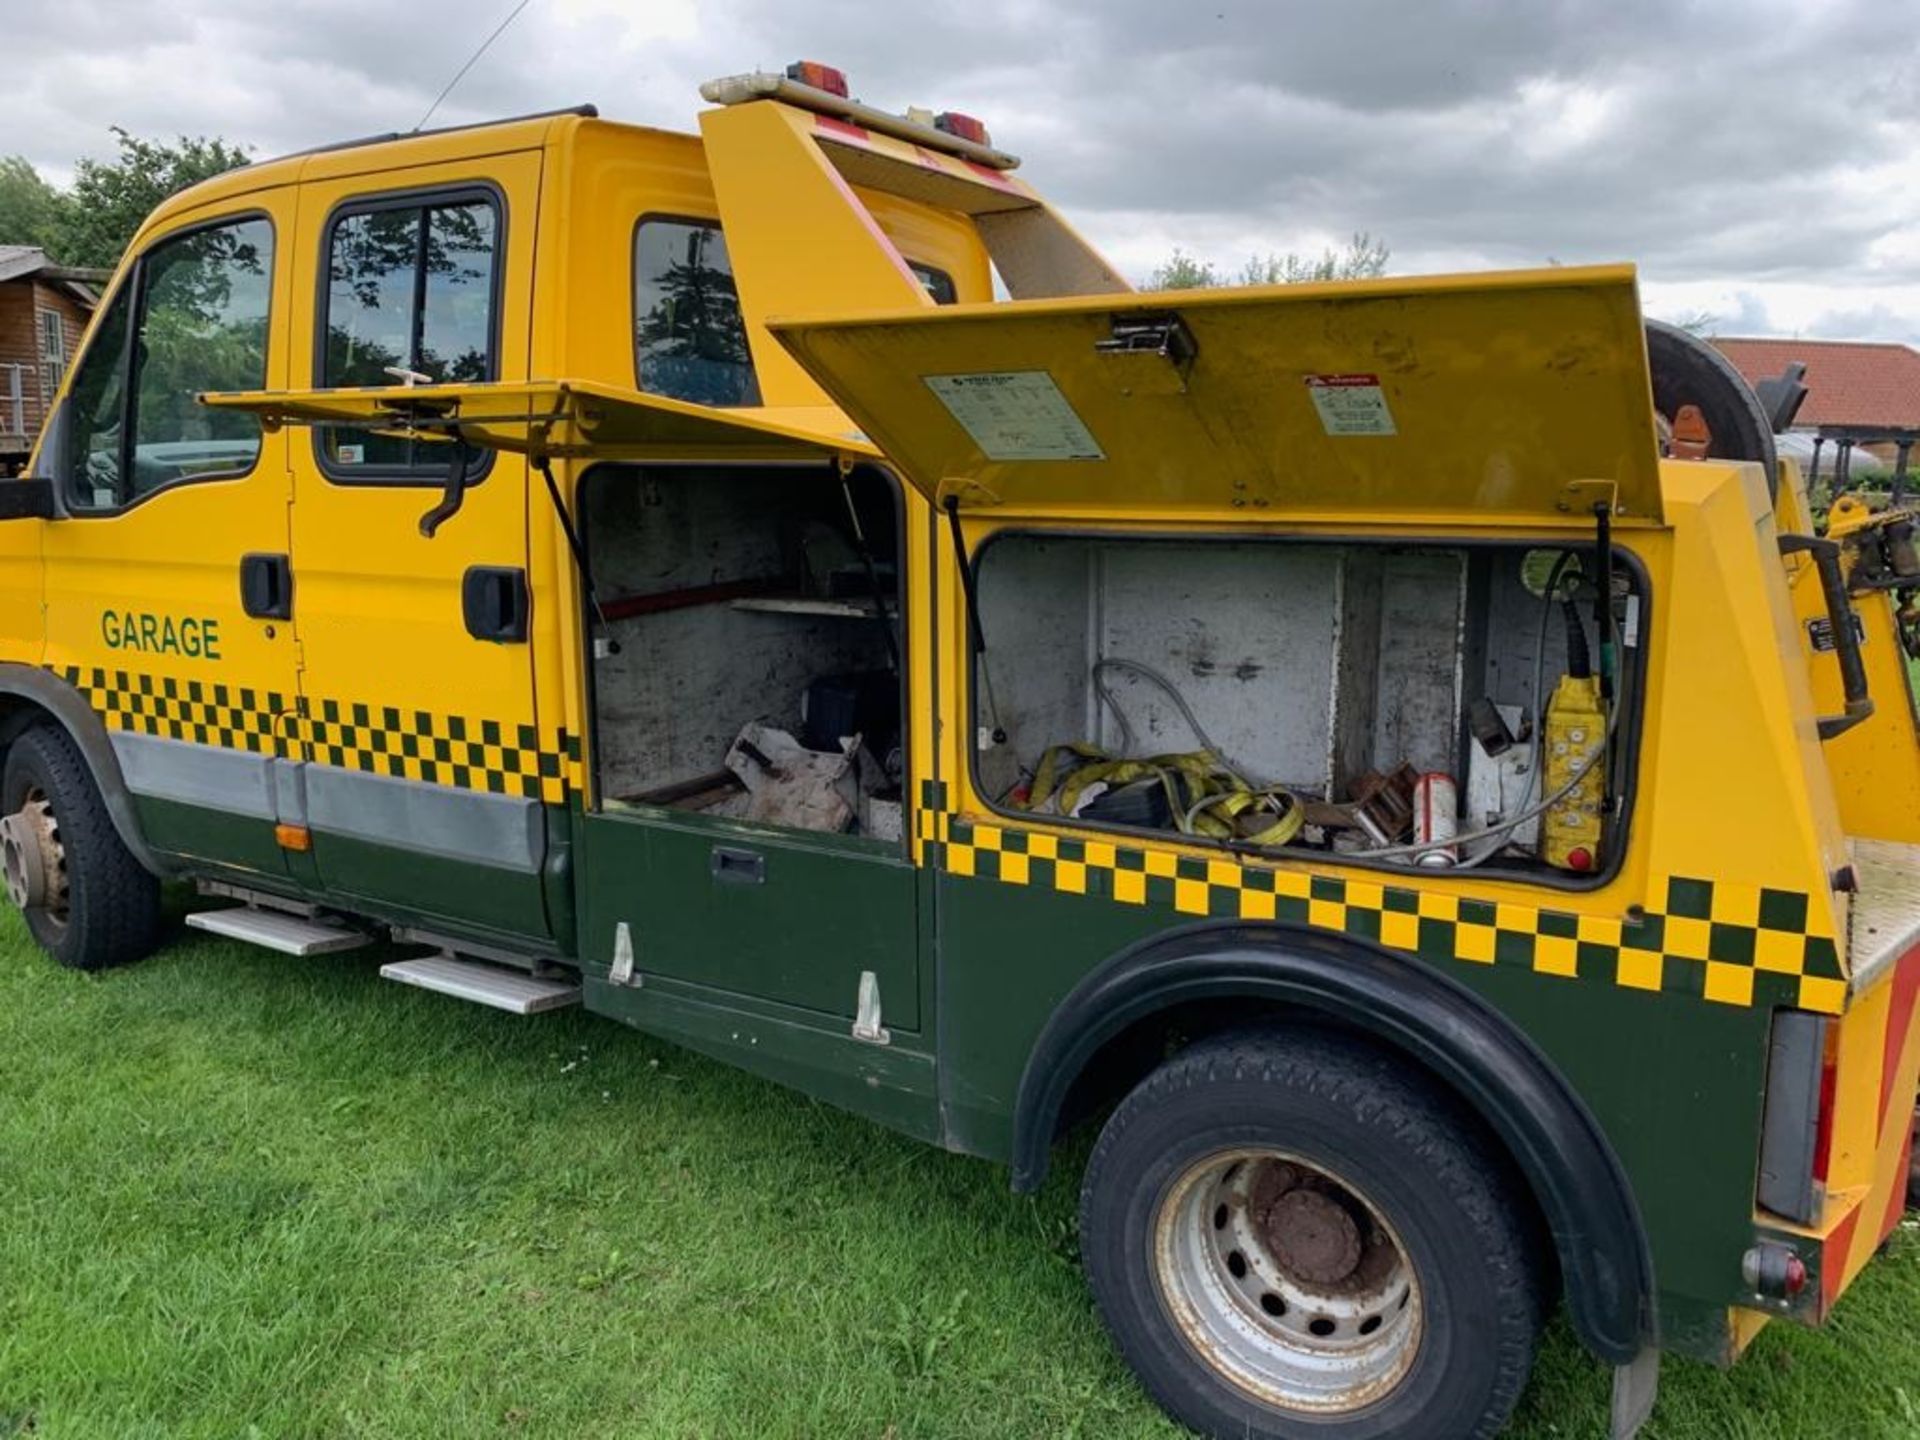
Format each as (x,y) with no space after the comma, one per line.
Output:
(1759,160)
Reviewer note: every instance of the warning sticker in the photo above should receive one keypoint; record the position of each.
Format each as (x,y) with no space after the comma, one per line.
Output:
(1351,404)
(1016,415)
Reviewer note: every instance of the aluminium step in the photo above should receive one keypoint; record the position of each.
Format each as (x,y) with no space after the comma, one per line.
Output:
(514,991)
(277,930)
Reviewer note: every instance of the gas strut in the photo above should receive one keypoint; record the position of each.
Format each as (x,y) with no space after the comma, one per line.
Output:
(1603,595)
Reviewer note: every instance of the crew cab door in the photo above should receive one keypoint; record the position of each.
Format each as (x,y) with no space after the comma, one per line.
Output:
(165,508)
(711,908)
(418,708)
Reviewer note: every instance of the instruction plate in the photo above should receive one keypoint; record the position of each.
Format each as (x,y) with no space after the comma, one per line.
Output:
(1016,415)
(1351,404)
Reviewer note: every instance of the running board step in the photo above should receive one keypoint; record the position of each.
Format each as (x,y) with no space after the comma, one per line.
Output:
(277,930)
(510,990)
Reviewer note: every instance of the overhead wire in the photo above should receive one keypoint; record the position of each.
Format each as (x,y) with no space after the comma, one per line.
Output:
(461,73)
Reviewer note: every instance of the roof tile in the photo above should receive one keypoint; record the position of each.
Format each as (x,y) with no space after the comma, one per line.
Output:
(1849,382)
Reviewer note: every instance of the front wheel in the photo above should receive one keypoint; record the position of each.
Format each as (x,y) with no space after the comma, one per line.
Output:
(1290,1235)
(86,899)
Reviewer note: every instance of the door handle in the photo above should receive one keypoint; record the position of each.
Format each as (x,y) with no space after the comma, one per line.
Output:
(266,586)
(729,866)
(495,603)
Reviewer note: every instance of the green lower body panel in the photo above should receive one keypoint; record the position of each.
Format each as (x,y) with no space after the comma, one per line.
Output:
(1675,1084)
(893,1083)
(201,838)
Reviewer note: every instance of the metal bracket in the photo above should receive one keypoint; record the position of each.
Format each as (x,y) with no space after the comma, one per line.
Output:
(1578,497)
(1164,337)
(1635,1387)
(621,971)
(866,1016)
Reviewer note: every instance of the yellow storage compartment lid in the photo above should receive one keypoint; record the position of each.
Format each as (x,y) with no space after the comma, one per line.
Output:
(1508,398)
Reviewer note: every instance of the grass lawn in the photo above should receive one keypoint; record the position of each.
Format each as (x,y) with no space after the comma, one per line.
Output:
(244,1195)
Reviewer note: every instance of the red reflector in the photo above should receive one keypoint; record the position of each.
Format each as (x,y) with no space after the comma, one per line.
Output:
(1796,1275)
(963,127)
(1823,1130)
(820,77)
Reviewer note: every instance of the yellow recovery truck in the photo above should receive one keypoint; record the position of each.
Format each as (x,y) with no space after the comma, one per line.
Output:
(1465,852)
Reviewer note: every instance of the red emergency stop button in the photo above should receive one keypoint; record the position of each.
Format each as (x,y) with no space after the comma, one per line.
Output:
(1579,858)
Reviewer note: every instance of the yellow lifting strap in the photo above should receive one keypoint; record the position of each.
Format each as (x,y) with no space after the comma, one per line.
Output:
(1203,796)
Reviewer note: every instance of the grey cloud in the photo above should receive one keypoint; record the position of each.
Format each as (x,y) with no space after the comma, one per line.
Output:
(1710,140)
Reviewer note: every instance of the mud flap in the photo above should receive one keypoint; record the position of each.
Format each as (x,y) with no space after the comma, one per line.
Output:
(1635,1388)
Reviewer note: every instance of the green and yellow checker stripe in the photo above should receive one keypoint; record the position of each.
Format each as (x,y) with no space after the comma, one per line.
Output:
(1730,944)
(464,752)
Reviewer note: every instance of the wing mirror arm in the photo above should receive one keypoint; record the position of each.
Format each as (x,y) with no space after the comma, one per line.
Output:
(454,495)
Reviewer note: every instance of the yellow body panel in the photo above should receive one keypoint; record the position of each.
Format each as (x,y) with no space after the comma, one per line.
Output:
(1515,397)
(175,556)
(558,419)
(1876,768)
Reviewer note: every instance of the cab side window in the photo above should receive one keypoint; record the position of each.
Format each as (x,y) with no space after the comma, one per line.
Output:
(412,289)
(201,302)
(689,337)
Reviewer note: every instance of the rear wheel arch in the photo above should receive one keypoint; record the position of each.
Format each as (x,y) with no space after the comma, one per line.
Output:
(1223,976)
(31,696)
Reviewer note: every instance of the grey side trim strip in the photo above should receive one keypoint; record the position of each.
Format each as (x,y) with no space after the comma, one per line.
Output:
(66,704)
(232,781)
(505,831)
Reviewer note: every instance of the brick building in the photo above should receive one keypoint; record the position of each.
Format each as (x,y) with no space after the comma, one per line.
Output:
(44,310)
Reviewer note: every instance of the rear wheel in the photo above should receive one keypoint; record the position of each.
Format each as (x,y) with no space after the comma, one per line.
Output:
(1289,1235)
(86,899)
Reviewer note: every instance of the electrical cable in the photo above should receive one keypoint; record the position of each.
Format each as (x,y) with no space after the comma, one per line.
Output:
(1549,602)
(1147,672)
(1421,847)
(1603,749)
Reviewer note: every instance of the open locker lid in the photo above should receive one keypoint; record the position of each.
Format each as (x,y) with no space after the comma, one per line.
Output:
(562,419)
(1510,398)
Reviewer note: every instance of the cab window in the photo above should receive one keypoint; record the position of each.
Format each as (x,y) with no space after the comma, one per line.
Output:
(689,337)
(937,283)
(412,288)
(201,301)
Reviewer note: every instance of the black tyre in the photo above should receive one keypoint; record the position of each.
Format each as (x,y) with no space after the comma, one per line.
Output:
(1289,1235)
(87,901)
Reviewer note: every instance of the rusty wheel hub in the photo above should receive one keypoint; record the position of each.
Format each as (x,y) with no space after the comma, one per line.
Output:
(1312,1236)
(1287,1281)
(34,861)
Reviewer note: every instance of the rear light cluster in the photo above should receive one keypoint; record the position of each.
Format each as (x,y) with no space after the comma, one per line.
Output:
(834,82)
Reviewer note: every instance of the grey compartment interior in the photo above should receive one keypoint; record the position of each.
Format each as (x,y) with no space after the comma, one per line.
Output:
(1306,663)
(725,554)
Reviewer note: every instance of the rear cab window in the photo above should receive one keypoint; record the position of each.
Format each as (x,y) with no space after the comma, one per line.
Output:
(412,296)
(689,336)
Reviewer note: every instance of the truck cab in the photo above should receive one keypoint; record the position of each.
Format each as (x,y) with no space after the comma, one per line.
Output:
(780,588)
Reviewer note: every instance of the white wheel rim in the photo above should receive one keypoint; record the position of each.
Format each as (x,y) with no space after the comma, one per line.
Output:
(1287,1281)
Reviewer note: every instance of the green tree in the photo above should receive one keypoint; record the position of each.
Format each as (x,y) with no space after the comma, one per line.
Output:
(32,212)
(110,198)
(1364,258)
(1180,271)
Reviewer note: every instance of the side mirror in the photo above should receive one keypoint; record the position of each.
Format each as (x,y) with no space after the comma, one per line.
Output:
(28,498)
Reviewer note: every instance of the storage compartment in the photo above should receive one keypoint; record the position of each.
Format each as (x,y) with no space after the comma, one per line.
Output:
(749,666)
(1296,693)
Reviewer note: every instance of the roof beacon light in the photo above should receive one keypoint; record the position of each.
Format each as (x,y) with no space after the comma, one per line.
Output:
(820,77)
(965,127)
